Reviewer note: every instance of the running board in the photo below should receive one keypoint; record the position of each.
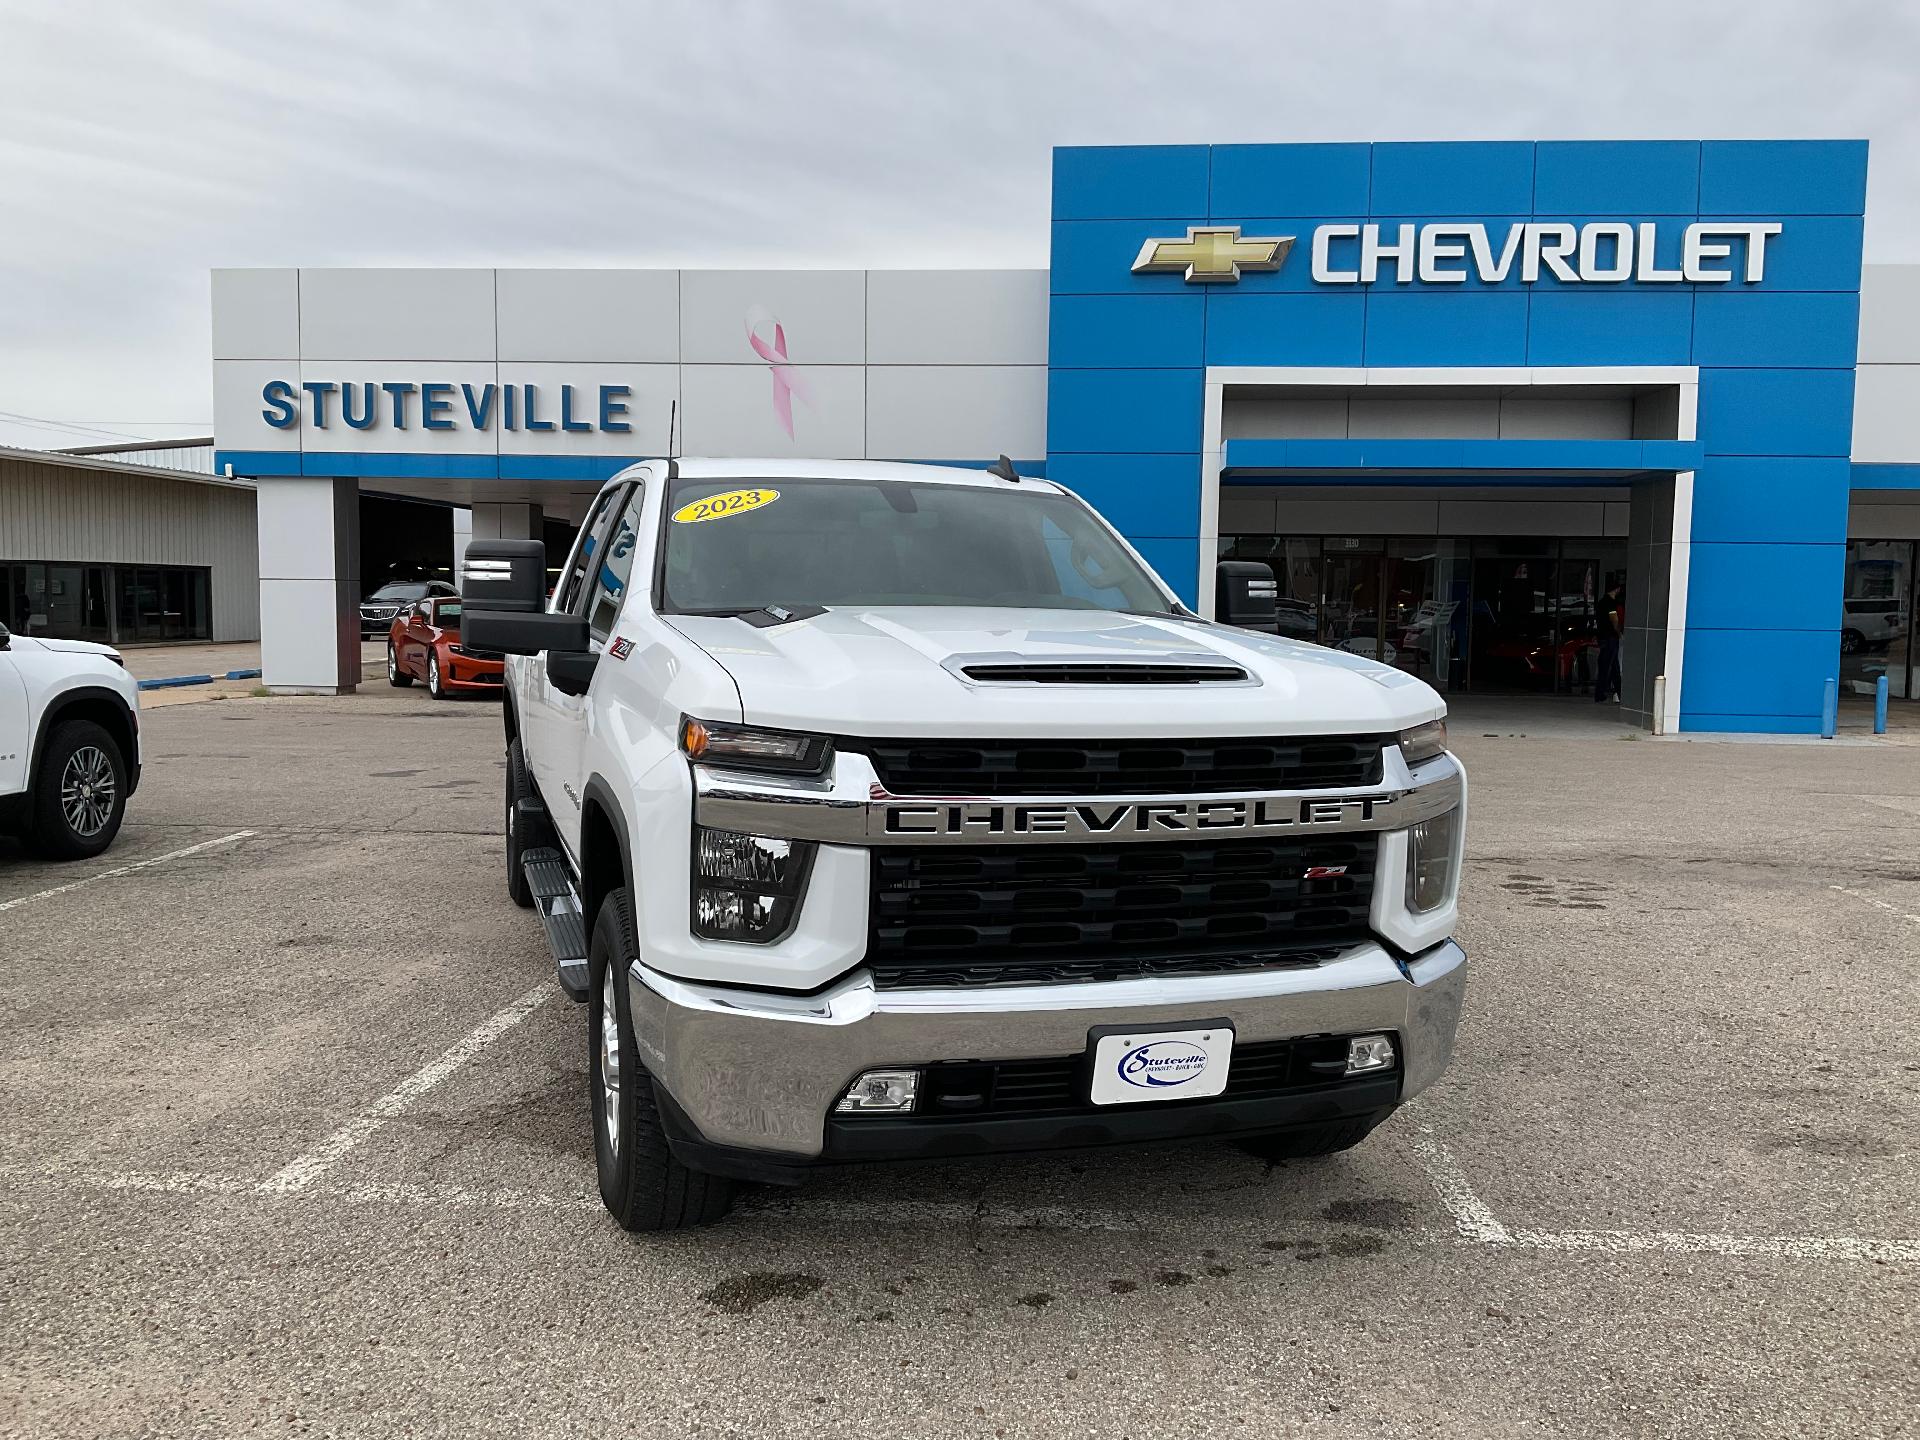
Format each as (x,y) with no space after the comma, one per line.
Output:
(559,907)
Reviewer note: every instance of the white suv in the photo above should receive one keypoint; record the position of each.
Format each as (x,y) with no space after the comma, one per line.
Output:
(69,744)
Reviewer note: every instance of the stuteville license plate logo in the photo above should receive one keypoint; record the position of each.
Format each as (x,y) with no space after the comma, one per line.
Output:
(1212,254)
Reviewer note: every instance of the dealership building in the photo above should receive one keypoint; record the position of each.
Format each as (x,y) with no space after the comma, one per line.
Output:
(1451,393)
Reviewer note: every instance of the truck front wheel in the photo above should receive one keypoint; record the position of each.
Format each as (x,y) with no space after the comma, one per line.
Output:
(642,1185)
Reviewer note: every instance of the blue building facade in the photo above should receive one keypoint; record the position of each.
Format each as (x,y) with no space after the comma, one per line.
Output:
(1706,297)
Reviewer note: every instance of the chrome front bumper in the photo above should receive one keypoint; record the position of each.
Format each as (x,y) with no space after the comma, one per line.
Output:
(760,1071)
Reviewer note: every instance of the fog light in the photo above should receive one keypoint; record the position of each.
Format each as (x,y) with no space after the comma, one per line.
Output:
(1369,1052)
(883,1090)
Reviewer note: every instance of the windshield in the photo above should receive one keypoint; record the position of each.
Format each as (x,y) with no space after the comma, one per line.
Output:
(734,546)
(395,590)
(447,615)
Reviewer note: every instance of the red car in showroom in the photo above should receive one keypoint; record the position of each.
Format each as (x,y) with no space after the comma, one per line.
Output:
(424,644)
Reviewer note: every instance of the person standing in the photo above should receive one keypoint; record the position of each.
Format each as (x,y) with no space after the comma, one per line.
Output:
(1611,619)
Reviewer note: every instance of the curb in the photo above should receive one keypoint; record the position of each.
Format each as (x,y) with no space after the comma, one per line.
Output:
(175,681)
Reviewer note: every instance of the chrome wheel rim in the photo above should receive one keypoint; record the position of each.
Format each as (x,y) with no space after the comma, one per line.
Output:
(433,674)
(393,667)
(609,1063)
(87,791)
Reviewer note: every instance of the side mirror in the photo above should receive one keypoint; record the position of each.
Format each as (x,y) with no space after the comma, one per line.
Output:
(503,587)
(571,671)
(1246,595)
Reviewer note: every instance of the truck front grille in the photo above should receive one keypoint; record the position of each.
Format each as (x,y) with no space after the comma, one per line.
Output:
(950,916)
(1122,767)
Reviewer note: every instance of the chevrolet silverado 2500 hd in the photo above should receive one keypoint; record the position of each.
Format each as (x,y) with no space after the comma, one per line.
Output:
(69,743)
(884,810)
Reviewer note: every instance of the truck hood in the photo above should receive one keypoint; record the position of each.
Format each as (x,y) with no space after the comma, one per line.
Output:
(899,671)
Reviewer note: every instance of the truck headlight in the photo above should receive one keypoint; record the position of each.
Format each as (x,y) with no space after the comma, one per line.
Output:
(1423,742)
(747,887)
(1430,850)
(749,747)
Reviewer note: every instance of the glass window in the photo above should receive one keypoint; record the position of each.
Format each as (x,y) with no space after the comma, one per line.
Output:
(610,576)
(895,542)
(1876,617)
(567,595)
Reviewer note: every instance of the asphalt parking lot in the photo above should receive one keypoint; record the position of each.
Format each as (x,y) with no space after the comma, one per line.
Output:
(297,1142)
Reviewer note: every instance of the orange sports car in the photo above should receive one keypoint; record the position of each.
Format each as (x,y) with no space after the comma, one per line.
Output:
(424,644)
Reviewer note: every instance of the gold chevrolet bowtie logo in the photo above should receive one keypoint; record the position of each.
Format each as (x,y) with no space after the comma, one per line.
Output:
(1212,253)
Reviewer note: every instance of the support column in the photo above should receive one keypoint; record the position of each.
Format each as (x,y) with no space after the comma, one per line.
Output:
(462,533)
(493,520)
(309,530)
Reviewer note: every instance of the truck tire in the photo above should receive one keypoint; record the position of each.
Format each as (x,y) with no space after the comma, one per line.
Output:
(1311,1140)
(79,792)
(396,677)
(641,1184)
(518,788)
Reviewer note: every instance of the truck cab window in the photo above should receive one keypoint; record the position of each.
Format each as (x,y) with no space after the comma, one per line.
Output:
(567,595)
(615,565)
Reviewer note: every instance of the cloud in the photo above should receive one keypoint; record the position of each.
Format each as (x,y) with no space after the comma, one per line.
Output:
(141,146)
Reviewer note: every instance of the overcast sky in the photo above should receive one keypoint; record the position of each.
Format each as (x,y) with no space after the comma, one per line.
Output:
(143,144)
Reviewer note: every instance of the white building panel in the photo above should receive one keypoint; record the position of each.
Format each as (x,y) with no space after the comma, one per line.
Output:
(612,316)
(1886,414)
(396,315)
(734,410)
(1890,315)
(956,412)
(821,316)
(957,317)
(649,406)
(256,314)
(338,437)
(239,414)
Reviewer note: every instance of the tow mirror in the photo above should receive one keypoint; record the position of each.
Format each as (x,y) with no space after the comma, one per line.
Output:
(503,587)
(1246,595)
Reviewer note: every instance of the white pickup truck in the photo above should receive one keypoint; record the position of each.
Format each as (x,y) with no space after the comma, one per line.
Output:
(881,811)
(69,744)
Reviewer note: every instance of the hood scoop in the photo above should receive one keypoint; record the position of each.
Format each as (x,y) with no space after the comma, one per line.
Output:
(1176,669)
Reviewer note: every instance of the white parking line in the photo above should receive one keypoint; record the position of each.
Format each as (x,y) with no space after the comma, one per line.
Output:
(305,1169)
(1471,1217)
(1670,1242)
(126,869)
(1877,902)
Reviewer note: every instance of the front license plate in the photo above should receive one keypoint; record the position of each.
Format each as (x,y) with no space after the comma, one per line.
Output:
(1131,1067)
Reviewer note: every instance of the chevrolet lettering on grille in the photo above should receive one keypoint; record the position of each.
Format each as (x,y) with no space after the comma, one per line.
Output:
(1091,820)
(858,810)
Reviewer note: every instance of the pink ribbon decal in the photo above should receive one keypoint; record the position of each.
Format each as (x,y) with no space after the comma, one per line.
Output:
(788,383)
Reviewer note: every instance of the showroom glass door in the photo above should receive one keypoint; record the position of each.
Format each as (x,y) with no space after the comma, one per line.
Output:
(1511,634)
(1876,618)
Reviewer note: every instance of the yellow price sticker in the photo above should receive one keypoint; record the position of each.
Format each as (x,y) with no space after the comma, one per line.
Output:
(722,506)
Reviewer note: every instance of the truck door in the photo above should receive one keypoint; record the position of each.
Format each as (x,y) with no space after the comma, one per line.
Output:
(16,744)
(605,586)
(552,722)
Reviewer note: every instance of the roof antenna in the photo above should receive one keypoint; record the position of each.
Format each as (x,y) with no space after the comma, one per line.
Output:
(1003,469)
(673,429)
